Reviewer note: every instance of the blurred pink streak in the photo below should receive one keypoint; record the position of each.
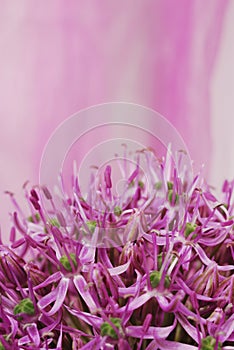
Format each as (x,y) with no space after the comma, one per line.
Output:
(58,57)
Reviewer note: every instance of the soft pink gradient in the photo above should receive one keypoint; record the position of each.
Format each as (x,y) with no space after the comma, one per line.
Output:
(58,57)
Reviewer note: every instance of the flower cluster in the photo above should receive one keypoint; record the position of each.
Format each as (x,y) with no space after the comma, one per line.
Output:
(150,269)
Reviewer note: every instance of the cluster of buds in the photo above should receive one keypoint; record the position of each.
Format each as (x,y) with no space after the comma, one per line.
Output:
(150,269)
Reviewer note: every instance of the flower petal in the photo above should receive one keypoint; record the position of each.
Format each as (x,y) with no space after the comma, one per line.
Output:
(137,302)
(92,320)
(190,329)
(94,344)
(82,287)
(51,279)
(34,334)
(47,299)
(57,295)
(151,333)
(172,345)
(227,329)
(119,269)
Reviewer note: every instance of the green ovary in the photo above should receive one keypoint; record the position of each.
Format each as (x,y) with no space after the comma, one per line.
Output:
(24,306)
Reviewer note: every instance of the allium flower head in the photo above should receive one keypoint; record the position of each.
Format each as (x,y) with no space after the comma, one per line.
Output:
(150,268)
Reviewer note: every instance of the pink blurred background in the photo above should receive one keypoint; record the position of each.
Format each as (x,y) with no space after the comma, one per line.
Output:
(59,56)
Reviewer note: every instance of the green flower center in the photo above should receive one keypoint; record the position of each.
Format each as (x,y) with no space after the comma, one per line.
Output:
(209,343)
(25,306)
(169,185)
(66,263)
(141,184)
(91,225)
(117,211)
(107,329)
(173,197)
(35,219)
(155,278)
(54,222)
(158,185)
(189,228)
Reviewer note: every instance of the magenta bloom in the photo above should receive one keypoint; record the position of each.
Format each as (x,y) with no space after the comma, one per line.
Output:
(150,268)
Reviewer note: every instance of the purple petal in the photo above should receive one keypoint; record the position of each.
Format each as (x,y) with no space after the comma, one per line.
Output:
(139,301)
(47,299)
(52,323)
(24,340)
(59,343)
(210,197)
(227,329)
(61,295)
(51,279)
(151,333)
(34,334)
(172,345)
(94,344)
(204,258)
(188,291)
(92,320)
(82,287)
(127,291)
(87,255)
(190,329)
(168,306)
(58,295)
(119,269)
(14,326)
(227,223)
(213,241)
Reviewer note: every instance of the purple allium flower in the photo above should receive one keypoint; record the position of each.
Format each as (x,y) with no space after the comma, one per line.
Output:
(151,268)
